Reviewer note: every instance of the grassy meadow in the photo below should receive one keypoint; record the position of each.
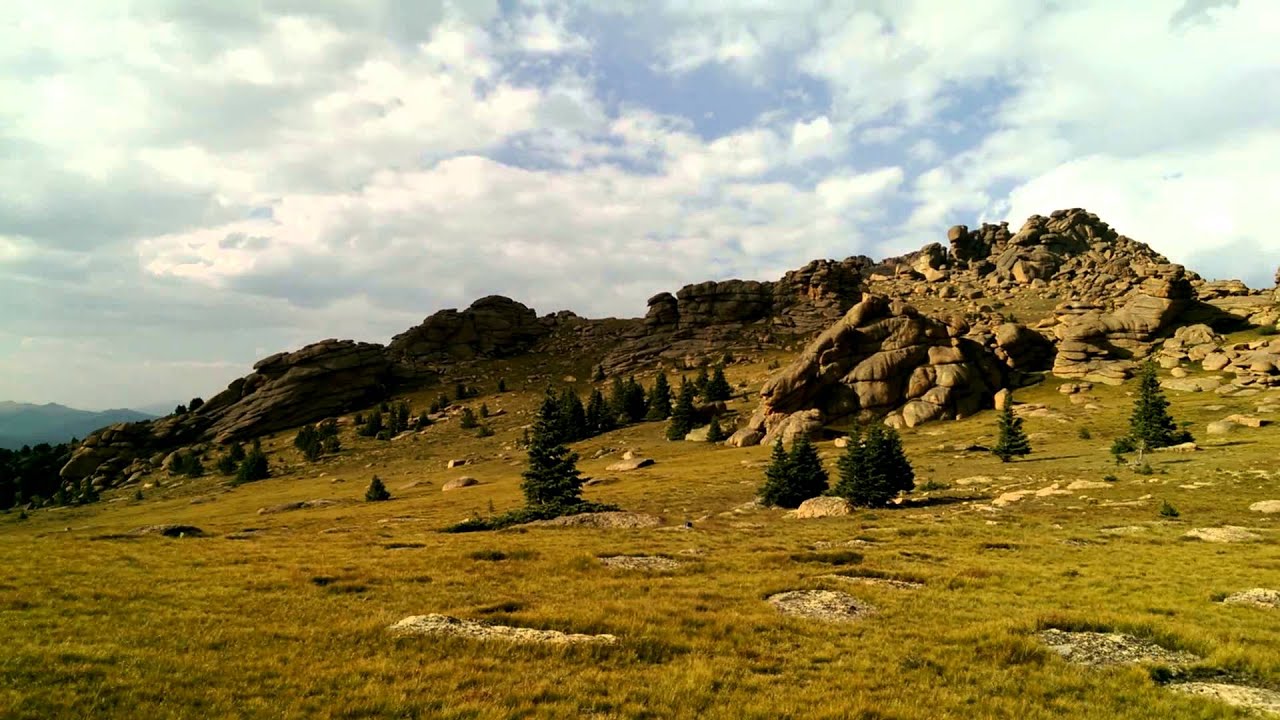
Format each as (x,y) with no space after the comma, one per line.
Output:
(284,615)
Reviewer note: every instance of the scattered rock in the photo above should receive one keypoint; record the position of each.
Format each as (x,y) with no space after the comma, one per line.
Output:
(1186,447)
(1242,696)
(622,520)
(1100,649)
(882,582)
(173,531)
(1248,420)
(1266,506)
(630,464)
(1088,485)
(1222,427)
(444,625)
(1224,534)
(821,507)
(455,464)
(827,605)
(299,505)
(639,562)
(1260,597)
(459,483)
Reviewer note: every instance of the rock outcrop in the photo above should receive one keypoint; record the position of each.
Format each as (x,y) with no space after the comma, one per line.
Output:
(883,357)
(1103,347)
(493,326)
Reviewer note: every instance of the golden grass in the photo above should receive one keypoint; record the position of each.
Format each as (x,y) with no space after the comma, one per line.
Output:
(284,615)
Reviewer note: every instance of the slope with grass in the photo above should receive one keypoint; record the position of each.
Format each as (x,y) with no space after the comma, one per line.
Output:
(284,613)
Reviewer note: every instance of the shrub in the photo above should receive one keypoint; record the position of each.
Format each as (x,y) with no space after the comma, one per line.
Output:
(254,467)
(1168,511)
(1269,330)
(502,384)
(484,410)
(484,431)
(1084,434)
(468,420)
(377,491)
(1110,478)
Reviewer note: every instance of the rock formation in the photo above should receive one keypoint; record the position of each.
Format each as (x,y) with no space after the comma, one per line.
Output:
(493,326)
(882,357)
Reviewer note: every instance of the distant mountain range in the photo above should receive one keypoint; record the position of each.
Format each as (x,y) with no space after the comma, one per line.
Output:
(27,424)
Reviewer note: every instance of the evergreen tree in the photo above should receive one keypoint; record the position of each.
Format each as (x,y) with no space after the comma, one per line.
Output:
(573,418)
(180,410)
(1012,441)
(659,399)
(484,410)
(874,468)
(598,416)
(1151,426)
(195,404)
(808,477)
(330,445)
(682,415)
(468,420)
(597,375)
(717,388)
(618,401)
(377,491)
(89,493)
(423,421)
(372,426)
(700,383)
(552,478)
(635,406)
(714,432)
(778,489)
(502,385)
(193,468)
(402,417)
(460,392)
(308,441)
(254,466)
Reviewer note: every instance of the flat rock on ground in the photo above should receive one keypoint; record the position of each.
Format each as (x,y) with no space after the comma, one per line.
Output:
(827,605)
(1098,649)
(882,582)
(1260,597)
(625,520)
(299,505)
(631,464)
(1224,534)
(444,625)
(639,562)
(170,530)
(821,507)
(1242,696)
(459,483)
(1266,506)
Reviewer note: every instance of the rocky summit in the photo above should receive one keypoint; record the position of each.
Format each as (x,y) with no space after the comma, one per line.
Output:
(912,339)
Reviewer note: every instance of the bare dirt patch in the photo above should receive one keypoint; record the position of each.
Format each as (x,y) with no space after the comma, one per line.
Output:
(1224,534)
(1242,696)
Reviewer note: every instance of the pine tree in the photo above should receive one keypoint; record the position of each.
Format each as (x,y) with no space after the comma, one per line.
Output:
(502,385)
(372,426)
(402,417)
(874,468)
(193,468)
(700,383)
(659,399)
(552,479)
(377,491)
(308,441)
(484,410)
(468,420)
(331,445)
(1012,440)
(717,388)
(682,415)
(598,416)
(597,374)
(715,433)
(808,477)
(618,401)
(635,406)
(1150,425)
(573,419)
(790,479)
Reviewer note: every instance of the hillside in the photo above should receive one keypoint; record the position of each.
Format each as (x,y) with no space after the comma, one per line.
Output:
(1072,582)
(28,424)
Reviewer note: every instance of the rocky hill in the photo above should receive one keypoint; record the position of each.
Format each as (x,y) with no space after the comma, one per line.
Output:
(1106,302)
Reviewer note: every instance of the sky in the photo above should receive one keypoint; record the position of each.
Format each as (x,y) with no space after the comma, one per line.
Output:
(188,186)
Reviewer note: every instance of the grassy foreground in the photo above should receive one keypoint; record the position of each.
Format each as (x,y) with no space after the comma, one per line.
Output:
(284,615)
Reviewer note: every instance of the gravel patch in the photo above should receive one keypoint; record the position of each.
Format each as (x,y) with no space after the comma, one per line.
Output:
(444,625)
(826,605)
(1258,597)
(1100,649)
(639,562)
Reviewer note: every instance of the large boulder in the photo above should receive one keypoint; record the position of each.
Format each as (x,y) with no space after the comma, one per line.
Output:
(880,357)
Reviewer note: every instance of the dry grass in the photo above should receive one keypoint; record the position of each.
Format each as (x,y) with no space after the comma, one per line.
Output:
(284,615)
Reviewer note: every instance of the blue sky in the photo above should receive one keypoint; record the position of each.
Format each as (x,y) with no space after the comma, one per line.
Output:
(186,187)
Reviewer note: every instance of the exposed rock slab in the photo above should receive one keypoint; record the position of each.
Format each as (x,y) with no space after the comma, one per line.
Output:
(826,605)
(639,562)
(173,531)
(1266,506)
(618,520)
(821,507)
(1242,696)
(450,626)
(1101,649)
(1259,597)
(629,465)
(1224,534)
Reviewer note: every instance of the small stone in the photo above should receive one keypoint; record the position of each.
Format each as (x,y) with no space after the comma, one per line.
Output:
(459,483)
